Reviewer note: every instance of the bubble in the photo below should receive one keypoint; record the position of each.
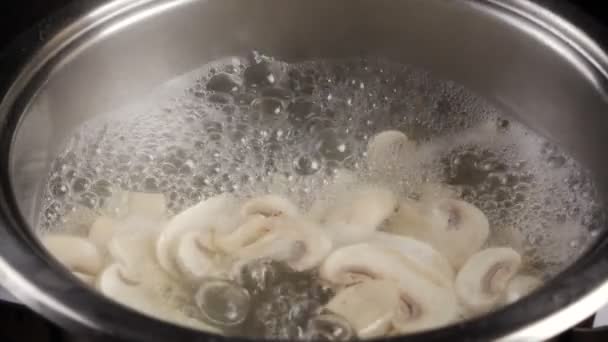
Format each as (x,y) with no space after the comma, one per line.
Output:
(306,165)
(302,311)
(89,200)
(80,184)
(262,74)
(222,303)
(302,109)
(278,93)
(329,327)
(102,188)
(224,82)
(220,98)
(260,275)
(268,107)
(332,147)
(150,184)
(58,188)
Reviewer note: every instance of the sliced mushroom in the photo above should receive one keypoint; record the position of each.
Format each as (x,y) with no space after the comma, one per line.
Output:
(423,304)
(299,243)
(215,214)
(357,213)
(135,292)
(269,205)
(483,280)
(329,327)
(520,286)
(76,253)
(455,228)
(419,255)
(196,258)
(369,306)
(387,147)
(133,247)
(253,229)
(148,205)
(102,231)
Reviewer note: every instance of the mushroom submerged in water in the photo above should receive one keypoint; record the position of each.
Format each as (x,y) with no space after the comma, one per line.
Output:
(355,214)
(481,282)
(423,303)
(455,228)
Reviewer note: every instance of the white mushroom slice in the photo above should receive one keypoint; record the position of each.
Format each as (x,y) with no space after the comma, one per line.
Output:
(252,230)
(214,214)
(369,307)
(521,285)
(195,259)
(148,205)
(455,228)
(269,205)
(423,304)
(102,231)
(77,254)
(386,147)
(134,247)
(483,280)
(419,255)
(127,289)
(298,242)
(358,213)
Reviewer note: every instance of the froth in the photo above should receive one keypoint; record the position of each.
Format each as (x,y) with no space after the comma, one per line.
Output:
(291,132)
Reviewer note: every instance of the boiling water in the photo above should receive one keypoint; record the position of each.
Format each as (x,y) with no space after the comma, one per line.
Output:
(256,125)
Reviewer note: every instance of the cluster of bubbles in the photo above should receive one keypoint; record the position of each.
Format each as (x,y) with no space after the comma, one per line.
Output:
(273,301)
(251,125)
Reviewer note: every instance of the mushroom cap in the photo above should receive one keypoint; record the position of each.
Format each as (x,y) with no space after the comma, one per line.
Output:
(142,293)
(482,281)
(368,306)
(294,240)
(76,253)
(420,256)
(455,228)
(423,304)
(385,148)
(102,230)
(269,205)
(520,286)
(194,258)
(254,228)
(357,213)
(214,214)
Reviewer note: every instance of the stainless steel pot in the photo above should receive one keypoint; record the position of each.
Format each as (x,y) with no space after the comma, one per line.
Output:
(532,59)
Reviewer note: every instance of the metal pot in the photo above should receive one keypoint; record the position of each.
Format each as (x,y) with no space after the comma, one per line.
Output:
(524,56)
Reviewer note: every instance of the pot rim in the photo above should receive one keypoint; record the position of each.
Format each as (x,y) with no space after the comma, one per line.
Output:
(40,282)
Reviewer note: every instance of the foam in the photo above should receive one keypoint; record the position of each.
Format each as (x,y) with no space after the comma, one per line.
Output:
(178,143)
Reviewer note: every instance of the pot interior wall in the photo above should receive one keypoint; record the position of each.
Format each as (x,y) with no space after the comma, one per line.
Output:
(520,67)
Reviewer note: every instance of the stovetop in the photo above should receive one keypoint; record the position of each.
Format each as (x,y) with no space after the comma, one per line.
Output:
(17,323)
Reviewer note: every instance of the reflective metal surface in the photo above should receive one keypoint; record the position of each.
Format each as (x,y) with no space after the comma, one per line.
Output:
(521,56)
